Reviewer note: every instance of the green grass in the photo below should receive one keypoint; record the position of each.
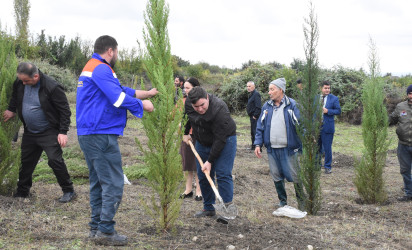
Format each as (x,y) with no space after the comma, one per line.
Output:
(76,165)
(348,139)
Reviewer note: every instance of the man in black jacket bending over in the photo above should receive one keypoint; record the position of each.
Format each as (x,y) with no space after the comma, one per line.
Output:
(215,134)
(253,108)
(43,108)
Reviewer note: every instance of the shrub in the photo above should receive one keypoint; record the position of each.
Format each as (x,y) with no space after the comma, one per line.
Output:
(62,75)
(9,155)
(369,170)
(347,85)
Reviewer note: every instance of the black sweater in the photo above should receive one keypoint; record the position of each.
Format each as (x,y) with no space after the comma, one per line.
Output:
(254,104)
(212,128)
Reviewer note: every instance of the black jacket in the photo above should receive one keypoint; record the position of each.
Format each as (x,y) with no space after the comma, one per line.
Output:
(53,102)
(254,104)
(212,128)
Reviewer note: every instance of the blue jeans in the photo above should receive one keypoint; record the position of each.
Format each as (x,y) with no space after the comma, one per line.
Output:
(106,178)
(405,161)
(282,165)
(222,167)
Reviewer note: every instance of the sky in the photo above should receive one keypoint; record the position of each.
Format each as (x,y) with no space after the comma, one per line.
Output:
(232,32)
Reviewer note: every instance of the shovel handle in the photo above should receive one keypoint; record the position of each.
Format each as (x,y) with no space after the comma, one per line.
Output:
(207,173)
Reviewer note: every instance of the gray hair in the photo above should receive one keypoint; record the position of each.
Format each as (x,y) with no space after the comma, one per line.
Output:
(251,83)
(27,68)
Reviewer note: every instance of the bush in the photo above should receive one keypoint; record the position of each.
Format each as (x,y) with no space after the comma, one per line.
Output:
(9,154)
(347,85)
(234,92)
(62,75)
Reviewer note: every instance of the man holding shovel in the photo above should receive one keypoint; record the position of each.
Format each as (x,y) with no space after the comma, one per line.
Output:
(215,134)
(276,128)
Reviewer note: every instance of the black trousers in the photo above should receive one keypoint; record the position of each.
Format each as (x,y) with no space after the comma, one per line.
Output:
(253,123)
(32,147)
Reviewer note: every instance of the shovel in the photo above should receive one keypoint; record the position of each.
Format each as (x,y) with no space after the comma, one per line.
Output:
(230,212)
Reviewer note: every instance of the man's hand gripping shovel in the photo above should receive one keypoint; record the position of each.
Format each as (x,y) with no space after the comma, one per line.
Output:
(230,212)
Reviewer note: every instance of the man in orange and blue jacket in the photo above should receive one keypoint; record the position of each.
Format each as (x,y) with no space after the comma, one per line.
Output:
(101,115)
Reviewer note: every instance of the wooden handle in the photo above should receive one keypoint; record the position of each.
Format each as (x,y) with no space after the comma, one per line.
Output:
(207,173)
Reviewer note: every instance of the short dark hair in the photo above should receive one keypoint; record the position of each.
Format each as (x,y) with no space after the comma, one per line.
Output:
(27,68)
(197,93)
(104,43)
(299,81)
(193,81)
(325,82)
(181,79)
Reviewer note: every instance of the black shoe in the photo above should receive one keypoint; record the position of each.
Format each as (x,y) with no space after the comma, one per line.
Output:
(112,239)
(68,196)
(405,198)
(21,195)
(205,213)
(184,196)
(198,198)
(92,233)
(328,171)
(222,220)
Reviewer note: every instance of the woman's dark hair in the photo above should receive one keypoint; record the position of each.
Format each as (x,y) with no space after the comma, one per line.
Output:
(197,93)
(193,81)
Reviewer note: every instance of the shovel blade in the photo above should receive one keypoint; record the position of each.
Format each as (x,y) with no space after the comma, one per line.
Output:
(230,212)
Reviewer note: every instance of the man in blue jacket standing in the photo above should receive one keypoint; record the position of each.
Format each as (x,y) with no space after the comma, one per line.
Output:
(330,108)
(101,115)
(276,129)
(253,108)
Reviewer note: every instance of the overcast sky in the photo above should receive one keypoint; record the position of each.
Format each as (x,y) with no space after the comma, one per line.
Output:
(231,32)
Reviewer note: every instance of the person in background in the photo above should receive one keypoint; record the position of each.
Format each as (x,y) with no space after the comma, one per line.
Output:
(330,108)
(253,109)
(276,129)
(215,133)
(43,108)
(402,116)
(188,157)
(179,81)
(101,115)
(299,84)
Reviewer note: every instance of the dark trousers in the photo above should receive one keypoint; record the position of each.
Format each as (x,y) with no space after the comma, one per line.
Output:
(32,147)
(405,161)
(253,123)
(325,146)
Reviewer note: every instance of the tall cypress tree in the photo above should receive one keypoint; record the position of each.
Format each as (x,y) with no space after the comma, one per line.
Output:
(368,179)
(22,15)
(162,126)
(310,113)
(9,156)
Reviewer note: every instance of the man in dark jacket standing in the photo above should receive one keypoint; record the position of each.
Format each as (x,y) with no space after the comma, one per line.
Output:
(402,116)
(215,134)
(330,108)
(43,108)
(253,108)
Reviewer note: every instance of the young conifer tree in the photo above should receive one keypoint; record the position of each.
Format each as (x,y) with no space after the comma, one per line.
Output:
(368,179)
(9,156)
(162,126)
(310,117)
